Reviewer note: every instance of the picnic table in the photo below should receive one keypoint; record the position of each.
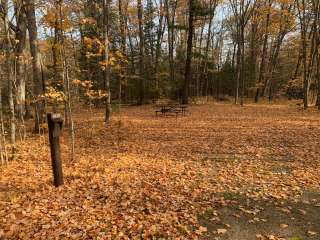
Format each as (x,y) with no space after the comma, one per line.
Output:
(167,109)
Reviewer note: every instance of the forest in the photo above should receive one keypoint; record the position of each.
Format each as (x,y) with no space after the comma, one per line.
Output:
(160,119)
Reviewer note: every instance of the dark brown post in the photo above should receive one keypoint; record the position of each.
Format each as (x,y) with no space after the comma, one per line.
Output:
(55,125)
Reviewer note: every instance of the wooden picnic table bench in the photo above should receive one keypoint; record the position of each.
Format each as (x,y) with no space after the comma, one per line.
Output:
(176,109)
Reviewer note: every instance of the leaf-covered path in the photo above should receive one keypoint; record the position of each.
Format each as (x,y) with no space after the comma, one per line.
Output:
(224,172)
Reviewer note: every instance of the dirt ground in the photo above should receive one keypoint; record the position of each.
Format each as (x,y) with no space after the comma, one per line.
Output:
(222,172)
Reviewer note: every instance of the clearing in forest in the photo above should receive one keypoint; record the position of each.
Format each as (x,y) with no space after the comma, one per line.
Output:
(223,172)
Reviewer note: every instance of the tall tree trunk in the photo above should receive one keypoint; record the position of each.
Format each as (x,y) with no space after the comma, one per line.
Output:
(304,54)
(188,74)
(316,10)
(106,59)
(242,77)
(55,47)
(318,80)
(66,79)
(264,54)
(171,23)
(20,56)
(3,143)
(123,40)
(318,57)
(199,66)
(36,65)
(133,69)
(204,73)
(301,6)
(8,51)
(296,71)
(205,60)
(253,52)
(160,32)
(141,54)
(241,39)
(274,59)
(238,73)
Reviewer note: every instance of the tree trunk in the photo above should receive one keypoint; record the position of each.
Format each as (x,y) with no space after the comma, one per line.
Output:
(122,81)
(242,77)
(141,54)
(304,54)
(160,32)
(3,143)
(133,68)
(318,80)
(20,56)
(8,49)
(253,52)
(199,66)
(55,47)
(274,56)
(238,73)
(213,5)
(205,61)
(294,76)
(106,60)
(317,10)
(264,54)
(36,65)
(171,23)
(188,74)
(303,29)
(66,81)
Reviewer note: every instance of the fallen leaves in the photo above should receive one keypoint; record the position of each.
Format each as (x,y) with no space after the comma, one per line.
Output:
(201,230)
(285,210)
(154,181)
(272,237)
(302,212)
(268,237)
(259,236)
(283,226)
(312,233)
(222,231)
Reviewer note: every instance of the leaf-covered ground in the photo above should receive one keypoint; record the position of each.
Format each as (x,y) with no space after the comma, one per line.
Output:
(224,172)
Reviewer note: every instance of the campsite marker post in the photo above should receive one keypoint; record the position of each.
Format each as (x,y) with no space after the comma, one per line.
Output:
(55,123)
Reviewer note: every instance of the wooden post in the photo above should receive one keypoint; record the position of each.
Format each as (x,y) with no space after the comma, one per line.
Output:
(55,126)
